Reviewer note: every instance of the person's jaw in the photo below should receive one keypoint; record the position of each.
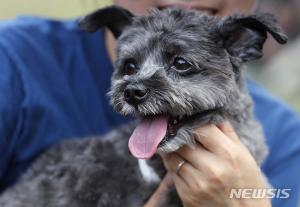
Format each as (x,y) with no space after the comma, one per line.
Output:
(214,7)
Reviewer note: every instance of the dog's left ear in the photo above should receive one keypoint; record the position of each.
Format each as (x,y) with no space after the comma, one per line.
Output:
(114,17)
(244,36)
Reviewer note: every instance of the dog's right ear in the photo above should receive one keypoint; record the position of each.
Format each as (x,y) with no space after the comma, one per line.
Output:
(114,17)
(243,36)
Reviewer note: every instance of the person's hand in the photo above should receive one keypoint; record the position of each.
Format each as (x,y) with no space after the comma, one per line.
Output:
(218,163)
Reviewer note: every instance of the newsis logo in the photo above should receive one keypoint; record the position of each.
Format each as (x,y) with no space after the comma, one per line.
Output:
(260,193)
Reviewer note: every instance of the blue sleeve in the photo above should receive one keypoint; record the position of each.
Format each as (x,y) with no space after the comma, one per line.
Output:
(282,130)
(51,88)
(11,96)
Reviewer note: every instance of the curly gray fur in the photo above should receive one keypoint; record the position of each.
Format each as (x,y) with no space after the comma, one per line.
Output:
(100,171)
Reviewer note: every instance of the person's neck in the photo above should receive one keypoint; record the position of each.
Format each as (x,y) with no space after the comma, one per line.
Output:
(110,44)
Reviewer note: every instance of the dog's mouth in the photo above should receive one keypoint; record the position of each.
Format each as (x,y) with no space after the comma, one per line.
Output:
(153,132)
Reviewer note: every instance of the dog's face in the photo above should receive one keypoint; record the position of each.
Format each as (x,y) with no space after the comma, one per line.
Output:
(170,63)
(174,64)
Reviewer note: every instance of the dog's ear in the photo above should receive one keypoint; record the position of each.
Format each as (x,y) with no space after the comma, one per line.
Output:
(243,36)
(113,17)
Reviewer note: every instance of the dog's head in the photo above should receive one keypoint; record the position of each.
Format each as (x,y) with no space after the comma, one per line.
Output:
(176,63)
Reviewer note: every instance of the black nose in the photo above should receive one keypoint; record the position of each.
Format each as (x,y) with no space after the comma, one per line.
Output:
(135,94)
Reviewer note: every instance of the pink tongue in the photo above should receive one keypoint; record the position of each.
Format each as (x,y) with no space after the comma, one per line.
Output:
(147,136)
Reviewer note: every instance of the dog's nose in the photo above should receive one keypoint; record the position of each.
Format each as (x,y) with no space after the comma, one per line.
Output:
(135,94)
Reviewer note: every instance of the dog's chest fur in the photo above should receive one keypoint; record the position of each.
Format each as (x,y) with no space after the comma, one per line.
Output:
(88,172)
(92,172)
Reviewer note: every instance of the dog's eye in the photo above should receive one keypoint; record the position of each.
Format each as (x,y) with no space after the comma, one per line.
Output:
(129,67)
(181,64)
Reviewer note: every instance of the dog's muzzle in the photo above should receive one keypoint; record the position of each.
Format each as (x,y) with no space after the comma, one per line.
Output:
(135,94)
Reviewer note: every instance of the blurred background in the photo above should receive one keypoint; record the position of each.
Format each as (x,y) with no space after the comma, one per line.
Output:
(278,71)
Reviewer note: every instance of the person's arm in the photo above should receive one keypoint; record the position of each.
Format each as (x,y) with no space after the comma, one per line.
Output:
(282,166)
(11,96)
(282,131)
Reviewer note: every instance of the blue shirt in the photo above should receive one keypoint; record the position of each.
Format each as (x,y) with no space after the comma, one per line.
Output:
(53,84)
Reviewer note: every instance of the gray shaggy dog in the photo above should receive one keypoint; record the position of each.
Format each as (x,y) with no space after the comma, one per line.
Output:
(176,70)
